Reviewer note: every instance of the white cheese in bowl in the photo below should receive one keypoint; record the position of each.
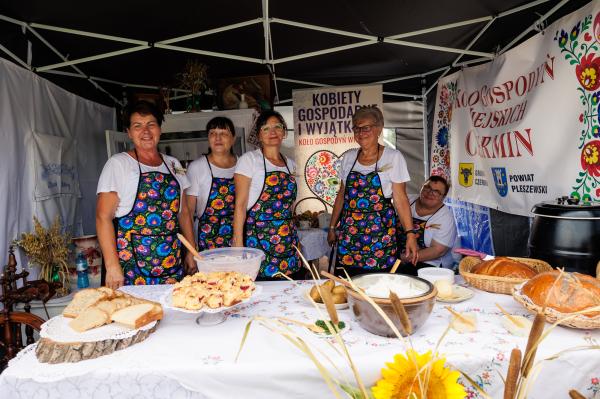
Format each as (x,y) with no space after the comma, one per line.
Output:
(379,286)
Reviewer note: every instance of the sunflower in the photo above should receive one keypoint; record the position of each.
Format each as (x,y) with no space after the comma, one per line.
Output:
(401,378)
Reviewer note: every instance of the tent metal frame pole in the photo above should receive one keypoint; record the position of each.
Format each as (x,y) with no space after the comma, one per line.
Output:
(92,58)
(59,54)
(324,51)
(425,135)
(408,95)
(211,31)
(368,40)
(439,48)
(442,27)
(526,31)
(269,54)
(407,77)
(471,43)
(15,57)
(88,34)
(208,53)
(62,57)
(303,82)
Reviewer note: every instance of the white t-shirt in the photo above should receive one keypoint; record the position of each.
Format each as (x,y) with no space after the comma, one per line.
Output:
(251,165)
(439,227)
(392,168)
(121,175)
(198,173)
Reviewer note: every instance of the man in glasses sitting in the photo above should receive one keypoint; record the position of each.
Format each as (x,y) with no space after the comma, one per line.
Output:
(433,225)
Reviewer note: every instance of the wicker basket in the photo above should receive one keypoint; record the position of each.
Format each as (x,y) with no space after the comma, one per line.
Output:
(552,315)
(499,285)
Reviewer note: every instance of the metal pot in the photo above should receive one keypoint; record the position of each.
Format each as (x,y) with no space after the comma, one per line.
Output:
(418,308)
(566,234)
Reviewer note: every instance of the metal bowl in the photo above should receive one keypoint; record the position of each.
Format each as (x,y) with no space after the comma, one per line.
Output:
(418,307)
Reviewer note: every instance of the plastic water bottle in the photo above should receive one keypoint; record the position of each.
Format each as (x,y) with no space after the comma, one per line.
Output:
(81,265)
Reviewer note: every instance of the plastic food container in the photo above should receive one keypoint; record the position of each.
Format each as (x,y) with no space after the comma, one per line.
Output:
(433,274)
(234,259)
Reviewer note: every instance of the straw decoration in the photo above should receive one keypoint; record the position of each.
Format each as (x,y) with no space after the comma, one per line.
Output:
(512,375)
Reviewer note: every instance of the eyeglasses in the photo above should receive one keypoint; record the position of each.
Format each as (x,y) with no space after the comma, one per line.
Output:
(219,133)
(436,193)
(363,129)
(278,127)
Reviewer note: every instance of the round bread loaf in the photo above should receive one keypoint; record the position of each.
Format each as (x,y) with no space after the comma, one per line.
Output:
(504,267)
(566,292)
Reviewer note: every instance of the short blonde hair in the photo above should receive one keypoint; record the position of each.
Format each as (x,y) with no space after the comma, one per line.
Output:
(368,111)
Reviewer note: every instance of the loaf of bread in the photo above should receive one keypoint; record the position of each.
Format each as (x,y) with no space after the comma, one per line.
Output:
(84,299)
(564,292)
(139,315)
(88,319)
(504,267)
(94,307)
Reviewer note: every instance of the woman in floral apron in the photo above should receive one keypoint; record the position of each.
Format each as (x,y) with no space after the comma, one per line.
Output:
(265,193)
(364,217)
(212,192)
(139,213)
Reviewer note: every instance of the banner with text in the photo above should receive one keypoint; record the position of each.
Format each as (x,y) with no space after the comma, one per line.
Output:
(322,133)
(524,128)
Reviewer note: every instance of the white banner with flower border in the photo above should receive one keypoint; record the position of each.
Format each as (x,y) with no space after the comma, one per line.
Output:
(323,133)
(524,128)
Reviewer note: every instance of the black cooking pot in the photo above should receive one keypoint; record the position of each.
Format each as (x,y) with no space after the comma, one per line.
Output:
(566,235)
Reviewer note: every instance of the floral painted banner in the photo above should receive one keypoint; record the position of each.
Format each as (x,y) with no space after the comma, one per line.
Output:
(524,128)
(322,133)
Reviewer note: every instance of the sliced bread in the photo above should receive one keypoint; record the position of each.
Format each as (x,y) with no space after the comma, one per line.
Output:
(90,318)
(83,300)
(139,315)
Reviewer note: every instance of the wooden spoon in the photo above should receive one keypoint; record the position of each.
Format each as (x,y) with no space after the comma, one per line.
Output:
(395,267)
(189,246)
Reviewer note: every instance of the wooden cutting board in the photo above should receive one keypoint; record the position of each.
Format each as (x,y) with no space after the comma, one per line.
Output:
(49,351)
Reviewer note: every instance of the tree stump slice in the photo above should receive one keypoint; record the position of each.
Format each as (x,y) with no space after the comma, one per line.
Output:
(49,351)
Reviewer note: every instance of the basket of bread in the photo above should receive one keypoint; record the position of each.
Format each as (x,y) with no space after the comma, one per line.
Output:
(501,274)
(572,299)
(98,321)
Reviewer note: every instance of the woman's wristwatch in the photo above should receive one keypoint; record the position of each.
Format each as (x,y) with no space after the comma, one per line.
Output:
(331,228)
(413,231)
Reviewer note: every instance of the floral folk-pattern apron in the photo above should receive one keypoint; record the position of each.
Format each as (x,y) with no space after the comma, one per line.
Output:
(269,224)
(418,224)
(215,226)
(147,243)
(368,224)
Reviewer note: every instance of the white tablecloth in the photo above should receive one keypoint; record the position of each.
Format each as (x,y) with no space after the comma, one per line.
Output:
(184,360)
(314,243)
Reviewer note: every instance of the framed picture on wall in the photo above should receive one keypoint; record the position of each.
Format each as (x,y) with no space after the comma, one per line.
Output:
(255,90)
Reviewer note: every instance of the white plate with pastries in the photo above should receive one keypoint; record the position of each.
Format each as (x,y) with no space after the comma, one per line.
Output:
(167,301)
(211,292)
